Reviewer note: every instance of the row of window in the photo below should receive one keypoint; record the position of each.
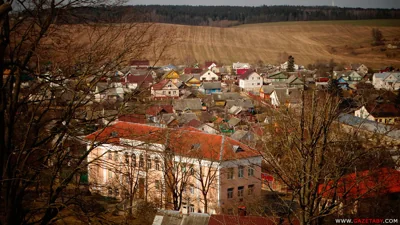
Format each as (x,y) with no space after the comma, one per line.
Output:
(169,92)
(240,191)
(132,159)
(240,172)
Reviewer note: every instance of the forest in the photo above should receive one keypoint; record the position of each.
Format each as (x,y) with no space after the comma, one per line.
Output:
(222,15)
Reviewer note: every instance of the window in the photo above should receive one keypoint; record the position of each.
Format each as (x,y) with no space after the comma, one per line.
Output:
(110,191)
(126,156)
(116,157)
(148,162)
(174,92)
(250,189)
(133,160)
(230,173)
(157,162)
(169,92)
(191,208)
(141,161)
(250,171)
(163,92)
(191,188)
(192,171)
(109,155)
(240,171)
(116,192)
(240,191)
(110,175)
(230,211)
(258,83)
(230,192)
(157,184)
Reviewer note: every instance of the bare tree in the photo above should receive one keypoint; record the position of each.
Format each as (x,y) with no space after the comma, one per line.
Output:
(310,154)
(34,129)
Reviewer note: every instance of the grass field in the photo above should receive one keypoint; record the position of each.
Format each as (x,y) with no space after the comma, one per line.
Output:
(343,41)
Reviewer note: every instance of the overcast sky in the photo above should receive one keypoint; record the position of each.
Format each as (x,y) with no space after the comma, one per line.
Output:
(341,3)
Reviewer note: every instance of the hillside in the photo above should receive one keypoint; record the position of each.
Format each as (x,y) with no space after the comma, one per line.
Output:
(306,41)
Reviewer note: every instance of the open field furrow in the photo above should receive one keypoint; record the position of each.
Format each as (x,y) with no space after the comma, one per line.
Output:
(306,41)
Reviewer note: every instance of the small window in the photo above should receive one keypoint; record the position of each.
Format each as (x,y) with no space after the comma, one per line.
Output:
(191,208)
(109,155)
(157,184)
(116,157)
(157,162)
(169,92)
(110,174)
(191,188)
(230,173)
(141,161)
(240,171)
(126,157)
(133,160)
(240,191)
(148,162)
(250,171)
(250,189)
(230,192)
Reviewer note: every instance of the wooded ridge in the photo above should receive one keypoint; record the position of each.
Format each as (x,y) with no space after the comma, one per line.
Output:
(222,16)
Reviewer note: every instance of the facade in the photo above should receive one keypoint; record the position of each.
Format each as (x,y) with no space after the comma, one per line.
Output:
(386,81)
(286,97)
(250,81)
(381,113)
(360,68)
(208,75)
(143,154)
(165,89)
(210,87)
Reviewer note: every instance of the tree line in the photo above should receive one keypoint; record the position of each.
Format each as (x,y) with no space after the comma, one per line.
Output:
(232,15)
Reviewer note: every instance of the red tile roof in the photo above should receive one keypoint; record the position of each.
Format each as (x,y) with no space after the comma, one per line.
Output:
(193,123)
(160,85)
(245,75)
(133,118)
(157,109)
(188,142)
(139,79)
(364,184)
(241,71)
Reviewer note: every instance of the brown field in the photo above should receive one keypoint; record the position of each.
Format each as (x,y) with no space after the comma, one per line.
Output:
(343,41)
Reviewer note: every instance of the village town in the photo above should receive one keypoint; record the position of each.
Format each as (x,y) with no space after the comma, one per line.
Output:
(190,138)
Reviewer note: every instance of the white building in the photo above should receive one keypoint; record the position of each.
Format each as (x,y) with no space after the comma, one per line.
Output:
(387,81)
(208,75)
(250,81)
(285,66)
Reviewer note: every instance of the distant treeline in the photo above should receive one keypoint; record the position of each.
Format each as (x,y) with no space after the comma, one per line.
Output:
(222,15)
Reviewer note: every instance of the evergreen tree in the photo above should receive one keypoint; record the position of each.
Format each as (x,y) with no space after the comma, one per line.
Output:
(377,37)
(290,67)
(334,88)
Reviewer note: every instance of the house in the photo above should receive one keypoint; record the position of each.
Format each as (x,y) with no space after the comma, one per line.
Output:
(210,87)
(208,75)
(351,77)
(278,77)
(359,68)
(142,148)
(153,113)
(386,80)
(220,99)
(286,97)
(250,81)
(132,82)
(191,80)
(190,70)
(171,75)
(284,66)
(365,190)
(165,89)
(386,113)
(240,68)
(343,83)
(294,82)
(183,105)
(266,91)
(139,64)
